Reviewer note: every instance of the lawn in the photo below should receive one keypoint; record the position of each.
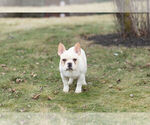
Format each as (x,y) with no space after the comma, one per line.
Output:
(118,77)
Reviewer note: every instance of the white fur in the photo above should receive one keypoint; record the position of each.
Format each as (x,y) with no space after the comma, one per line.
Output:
(78,72)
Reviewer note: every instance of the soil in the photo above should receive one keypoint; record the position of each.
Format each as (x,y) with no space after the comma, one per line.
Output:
(117,40)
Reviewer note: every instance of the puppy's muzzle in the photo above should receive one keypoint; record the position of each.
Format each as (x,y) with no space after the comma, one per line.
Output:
(69,66)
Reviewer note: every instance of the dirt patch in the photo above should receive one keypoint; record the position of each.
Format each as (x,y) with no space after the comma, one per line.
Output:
(117,40)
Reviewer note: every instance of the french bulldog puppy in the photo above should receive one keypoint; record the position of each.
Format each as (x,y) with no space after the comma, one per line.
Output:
(72,65)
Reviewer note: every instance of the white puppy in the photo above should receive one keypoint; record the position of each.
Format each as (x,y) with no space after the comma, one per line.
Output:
(73,65)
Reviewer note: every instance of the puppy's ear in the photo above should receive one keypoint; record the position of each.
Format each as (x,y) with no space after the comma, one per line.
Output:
(61,49)
(77,48)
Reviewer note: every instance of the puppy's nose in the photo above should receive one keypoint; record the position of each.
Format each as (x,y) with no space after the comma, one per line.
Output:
(69,65)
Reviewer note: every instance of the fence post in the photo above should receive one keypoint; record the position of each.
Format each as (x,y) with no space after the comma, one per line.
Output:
(148,23)
(62,4)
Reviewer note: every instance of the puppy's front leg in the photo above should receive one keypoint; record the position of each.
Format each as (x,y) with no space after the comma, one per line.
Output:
(65,83)
(84,81)
(70,81)
(79,84)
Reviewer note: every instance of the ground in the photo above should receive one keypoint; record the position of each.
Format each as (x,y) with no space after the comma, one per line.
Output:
(118,76)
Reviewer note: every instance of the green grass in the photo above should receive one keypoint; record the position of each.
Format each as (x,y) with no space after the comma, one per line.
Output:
(28,47)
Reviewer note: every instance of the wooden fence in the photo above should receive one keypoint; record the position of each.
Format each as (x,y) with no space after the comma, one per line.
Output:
(41,2)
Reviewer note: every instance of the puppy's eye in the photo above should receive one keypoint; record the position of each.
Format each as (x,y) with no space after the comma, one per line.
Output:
(64,60)
(74,59)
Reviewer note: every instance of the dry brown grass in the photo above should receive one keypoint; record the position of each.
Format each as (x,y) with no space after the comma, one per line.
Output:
(30,23)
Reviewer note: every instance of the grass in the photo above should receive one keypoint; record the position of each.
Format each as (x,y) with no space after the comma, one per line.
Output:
(29,67)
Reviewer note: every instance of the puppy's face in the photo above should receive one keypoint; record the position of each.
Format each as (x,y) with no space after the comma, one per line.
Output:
(69,59)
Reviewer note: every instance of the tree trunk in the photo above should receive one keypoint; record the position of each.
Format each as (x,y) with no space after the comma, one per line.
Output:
(127,24)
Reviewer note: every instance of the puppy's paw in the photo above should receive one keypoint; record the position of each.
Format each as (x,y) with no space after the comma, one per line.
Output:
(66,89)
(78,91)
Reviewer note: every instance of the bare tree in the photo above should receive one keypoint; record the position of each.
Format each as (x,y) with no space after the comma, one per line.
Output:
(133,17)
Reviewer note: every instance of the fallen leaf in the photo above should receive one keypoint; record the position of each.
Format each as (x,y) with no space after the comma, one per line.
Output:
(1,104)
(3,65)
(33,74)
(116,54)
(37,63)
(9,89)
(18,80)
(84,107)
(49,98)
(103,82)
(14,69)
(13,90)
(6,68)
(85,89)
(131,95)
(55,92)
(3,73)
(22,110)
(36,96)
(119,69)
(146,66)
(118,88)
(29,106)
(119,80)
(110,86)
